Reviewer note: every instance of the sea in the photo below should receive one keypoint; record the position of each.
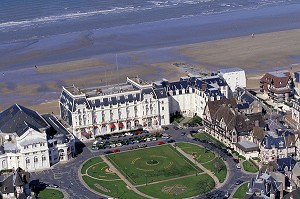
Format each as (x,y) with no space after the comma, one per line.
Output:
(28,19)
(41,32)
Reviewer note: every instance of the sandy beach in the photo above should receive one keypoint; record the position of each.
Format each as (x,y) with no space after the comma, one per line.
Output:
(264,52)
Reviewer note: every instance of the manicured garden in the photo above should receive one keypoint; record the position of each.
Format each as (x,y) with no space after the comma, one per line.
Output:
(206,158)
(114,188)
(50,194)
(181,188)
(218,167)
(152,164)
(202,155)
(249,166)
(241,191)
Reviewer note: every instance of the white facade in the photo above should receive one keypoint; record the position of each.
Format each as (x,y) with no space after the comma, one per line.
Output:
(235,77)
(30,151)
(116,109)
(30,141)
(136,104)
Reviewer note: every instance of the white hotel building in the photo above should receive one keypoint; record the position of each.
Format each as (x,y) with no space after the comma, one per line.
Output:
(31,141)
(136,104)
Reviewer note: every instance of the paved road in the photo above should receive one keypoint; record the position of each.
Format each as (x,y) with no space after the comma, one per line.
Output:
(66,175)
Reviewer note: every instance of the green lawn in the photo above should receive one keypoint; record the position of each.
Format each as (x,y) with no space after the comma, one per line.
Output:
(116,189)
(89,163)
(221,175)
(186,187)
(152,164)
(250,167)
(50,194)
(241,191)
(100,171)
(202,155)
(209,138)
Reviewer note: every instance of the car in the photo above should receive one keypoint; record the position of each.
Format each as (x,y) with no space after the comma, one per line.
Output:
(171,141)
(238,166)
(196,139)
(182,134)
(238,182)
(53,185)
(112,145)
(236,160)
(115,150)
(160,142)
(227,195)
(154,139)
(119,144)
(107,152)
(166,128)
(176,127)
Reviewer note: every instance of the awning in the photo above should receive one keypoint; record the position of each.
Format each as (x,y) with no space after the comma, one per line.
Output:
(112,126)
(90,132)
(144,123)
(85,134)
(155,122)
(120,124)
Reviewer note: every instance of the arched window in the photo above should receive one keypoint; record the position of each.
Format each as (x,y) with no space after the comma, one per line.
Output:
(43,160)
(27,163)
(4,164)
(61,154)
(36,161)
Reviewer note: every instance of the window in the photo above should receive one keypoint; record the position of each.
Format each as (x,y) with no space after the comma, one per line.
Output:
(36,159)
(25,147)
(162,108)
(43,158)
(27,161)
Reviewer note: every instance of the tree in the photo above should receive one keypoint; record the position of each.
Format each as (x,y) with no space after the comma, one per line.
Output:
(218,166)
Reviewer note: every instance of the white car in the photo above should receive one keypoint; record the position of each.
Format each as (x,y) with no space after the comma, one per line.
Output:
(238,166)
(112,145)
(119,144)
(154,139)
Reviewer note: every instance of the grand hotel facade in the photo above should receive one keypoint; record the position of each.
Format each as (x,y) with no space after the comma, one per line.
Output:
(137,104)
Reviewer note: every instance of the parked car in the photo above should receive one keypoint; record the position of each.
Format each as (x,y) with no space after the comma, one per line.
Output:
(238,182)
(154,139)
(182,134)
(160,142)
(238,166)
(196,139)
(171,141)
(176,127)
(107,152)
(227,195)
(115,150)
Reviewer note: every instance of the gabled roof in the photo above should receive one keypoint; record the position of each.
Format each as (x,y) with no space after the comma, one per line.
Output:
(277,78)
(17,118)
(213,106)
(276,142)
(258,133)
(284,163)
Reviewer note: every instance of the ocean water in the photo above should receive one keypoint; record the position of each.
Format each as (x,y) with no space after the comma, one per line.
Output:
(29,19)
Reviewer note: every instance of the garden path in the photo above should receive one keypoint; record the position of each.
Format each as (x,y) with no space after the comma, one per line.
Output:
(132,187)
(191,158)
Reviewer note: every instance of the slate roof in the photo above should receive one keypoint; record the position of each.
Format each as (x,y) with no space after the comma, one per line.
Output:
(17,118)
(277,142)
(57,130)
(288,162)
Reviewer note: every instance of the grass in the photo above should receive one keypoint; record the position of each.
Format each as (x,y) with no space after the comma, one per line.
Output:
(250,167)
(193,186)
(209,138)
(89,163)
(50,194)
(116,188)
(152,164)
(221,175)
(241,191)
(99,170)
(202,155)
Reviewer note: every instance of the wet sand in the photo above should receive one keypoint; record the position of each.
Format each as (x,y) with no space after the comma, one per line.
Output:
(39,88)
